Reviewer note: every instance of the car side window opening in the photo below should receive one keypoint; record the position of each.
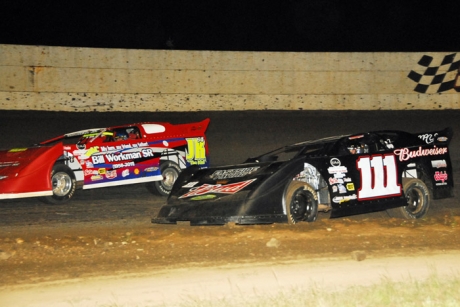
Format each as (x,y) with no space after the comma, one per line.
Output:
(122,134)
(359,144)
(358,148)
(133,133)
(387,141)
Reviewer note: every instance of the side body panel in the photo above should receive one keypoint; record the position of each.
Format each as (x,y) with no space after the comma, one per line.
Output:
(108,162)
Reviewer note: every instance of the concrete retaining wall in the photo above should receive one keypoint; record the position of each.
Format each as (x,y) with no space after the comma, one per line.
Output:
(88,79)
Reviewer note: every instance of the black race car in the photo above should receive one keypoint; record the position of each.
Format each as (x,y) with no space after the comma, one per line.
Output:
(384,170)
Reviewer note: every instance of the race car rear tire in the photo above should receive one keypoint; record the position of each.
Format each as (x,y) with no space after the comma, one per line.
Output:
(63,184)
(418,198)
(170,171)
(301,203)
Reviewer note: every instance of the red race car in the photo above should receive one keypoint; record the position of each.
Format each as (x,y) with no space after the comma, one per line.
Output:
(148,152)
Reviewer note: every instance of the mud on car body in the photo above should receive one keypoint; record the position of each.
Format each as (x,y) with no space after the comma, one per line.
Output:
(345,175)
(149,152)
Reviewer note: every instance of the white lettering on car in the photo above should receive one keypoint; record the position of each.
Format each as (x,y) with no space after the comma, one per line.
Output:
(379,177)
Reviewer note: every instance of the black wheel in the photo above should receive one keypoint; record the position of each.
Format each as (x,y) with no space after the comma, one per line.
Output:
(301,203)
(418,198)
(63,185)
(170,171)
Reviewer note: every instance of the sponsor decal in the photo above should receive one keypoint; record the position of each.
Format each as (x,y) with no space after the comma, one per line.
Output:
(122,156)
(96,178)
(440,176)
(347,179)
(233,173)
(90,172)
(79,153)
(333,180)
(92,151)
(195,153)
(149,169)
(122,165)
(342,189)
(335,162)
(342,199)
(405,154)
(17,149)
(111,174)
(190,184)
(203,197)
(7,164)
(124,146)
(427,138)
(89,164)
(337,169)
(102,171)
(334,189)
(99,159)
(442,139)
(136,171)
(438,163)
(231,188)
(350,187)
(125,173)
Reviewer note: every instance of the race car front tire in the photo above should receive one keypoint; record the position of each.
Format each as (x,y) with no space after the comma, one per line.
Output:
(170,171)
(301,203)
(63,184)
(418,198)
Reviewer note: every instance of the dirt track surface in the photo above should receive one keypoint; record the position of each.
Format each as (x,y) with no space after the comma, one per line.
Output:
(103,239)
(131,260)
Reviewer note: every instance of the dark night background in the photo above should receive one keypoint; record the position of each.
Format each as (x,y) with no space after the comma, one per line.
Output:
(277,25)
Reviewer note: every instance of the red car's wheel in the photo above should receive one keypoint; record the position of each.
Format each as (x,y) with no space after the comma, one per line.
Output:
(170,171)
(63,185)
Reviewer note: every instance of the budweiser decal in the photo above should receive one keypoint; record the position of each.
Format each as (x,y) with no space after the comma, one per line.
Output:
(405,154)
(231,188)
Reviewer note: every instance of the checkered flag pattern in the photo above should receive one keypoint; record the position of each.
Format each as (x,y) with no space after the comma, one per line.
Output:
(437,75)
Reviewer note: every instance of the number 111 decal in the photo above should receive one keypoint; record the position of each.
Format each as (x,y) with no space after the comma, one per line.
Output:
(379,177)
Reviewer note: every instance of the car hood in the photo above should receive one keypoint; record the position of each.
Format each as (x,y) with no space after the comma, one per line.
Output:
(219,182)
(218,195)
(15,160)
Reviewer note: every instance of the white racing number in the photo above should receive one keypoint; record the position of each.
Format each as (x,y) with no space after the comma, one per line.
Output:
(379,177)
